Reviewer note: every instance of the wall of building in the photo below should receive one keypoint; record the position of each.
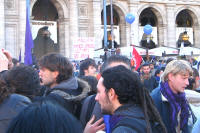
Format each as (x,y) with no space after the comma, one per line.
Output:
(82,18)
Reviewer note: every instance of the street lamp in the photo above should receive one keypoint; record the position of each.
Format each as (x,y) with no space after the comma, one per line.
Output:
(148,30)
(105,24)
(111,24)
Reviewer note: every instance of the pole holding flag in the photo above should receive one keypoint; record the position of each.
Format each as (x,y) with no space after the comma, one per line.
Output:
(28,37)
(20,55)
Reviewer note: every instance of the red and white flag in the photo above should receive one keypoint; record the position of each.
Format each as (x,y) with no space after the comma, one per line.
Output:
(136,59)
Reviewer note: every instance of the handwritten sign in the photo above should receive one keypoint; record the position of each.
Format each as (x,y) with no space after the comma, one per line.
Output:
(83,48)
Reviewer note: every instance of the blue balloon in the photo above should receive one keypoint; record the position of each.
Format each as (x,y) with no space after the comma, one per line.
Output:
(130,18)
(148,29)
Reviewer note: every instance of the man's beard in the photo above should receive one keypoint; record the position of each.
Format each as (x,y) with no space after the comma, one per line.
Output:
(106,111)
(48,84)
(146,76)
(108,108)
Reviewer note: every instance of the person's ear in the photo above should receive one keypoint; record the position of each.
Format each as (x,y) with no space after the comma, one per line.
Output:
(85,72)
(170,76)
(112,94)
(55,74)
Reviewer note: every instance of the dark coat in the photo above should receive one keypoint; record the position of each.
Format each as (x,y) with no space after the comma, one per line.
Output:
(131,114)
(9,109)
(90,108)
(164,109)
(70,94)
(150,83)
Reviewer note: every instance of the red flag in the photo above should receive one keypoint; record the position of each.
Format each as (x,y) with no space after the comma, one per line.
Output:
(136,59)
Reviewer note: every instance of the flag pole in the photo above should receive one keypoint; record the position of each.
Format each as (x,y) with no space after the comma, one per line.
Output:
(28,38)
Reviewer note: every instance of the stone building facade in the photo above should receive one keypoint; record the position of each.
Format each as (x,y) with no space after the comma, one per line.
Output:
(82,18)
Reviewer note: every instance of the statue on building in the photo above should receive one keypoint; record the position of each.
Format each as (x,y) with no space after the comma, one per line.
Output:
(147,41)
(109,43)
(43,44)
(184,39)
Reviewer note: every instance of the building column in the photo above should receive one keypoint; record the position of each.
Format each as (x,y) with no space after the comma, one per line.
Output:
(2,25)
(165,34)
(134,27)
(97,23)
(196,36)
(171,27)
(73,22)
(162,35)
(64,47)
(22,27)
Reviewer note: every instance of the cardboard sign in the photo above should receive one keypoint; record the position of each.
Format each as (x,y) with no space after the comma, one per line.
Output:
(83,48)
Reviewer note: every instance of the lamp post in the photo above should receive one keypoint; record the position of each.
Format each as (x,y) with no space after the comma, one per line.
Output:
(148,30)
(105,24)
(105,31)
(147,49)
(111,23)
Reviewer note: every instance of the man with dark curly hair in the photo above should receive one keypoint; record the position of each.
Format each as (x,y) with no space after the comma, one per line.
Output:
(121,94)
(56,73)
(25,80)
(87,68)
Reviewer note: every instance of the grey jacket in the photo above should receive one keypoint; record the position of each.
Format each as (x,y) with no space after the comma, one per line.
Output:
(9,109)
(73,89)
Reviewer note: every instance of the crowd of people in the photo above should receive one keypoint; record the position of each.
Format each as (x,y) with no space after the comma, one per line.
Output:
(112,97)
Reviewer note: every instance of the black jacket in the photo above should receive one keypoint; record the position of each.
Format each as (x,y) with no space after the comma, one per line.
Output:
(132,120)
(70,94)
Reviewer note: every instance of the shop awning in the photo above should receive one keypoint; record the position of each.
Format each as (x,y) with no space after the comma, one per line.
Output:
(189,51)
(160,51)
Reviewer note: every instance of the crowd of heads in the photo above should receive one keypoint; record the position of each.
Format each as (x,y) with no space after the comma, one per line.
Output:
(119,84)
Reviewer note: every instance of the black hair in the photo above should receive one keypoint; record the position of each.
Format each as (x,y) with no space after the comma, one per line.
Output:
(169,60)
(191,85)
(92,81)
(132,67)
(15,61)
(25,80)
(124,82)
(5,91)
(44,117)
(157,72)
(115,58)
(84,65)
(162,68)
(191,80)
(129,89)
(57,62)
(195,73)
(146,64)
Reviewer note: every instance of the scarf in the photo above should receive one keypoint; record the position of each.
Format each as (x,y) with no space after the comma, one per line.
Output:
(177,103)
(114,119)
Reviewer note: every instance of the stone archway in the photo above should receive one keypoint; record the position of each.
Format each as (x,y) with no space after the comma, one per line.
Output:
(62,22)
(119,15)
(122,25)
(190,14)
(157,21)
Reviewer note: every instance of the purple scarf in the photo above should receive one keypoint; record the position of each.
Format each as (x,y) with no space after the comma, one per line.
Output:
(177,102)
(114,120)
